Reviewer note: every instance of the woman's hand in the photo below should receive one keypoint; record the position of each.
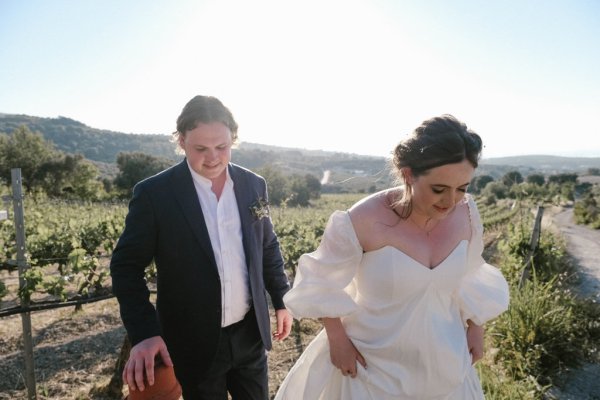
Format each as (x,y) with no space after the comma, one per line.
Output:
(342,351)
(475,341)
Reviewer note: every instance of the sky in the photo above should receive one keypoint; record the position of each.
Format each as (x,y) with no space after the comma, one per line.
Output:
(353,76)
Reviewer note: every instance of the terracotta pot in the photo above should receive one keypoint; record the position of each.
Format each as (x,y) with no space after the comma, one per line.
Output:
(165,386)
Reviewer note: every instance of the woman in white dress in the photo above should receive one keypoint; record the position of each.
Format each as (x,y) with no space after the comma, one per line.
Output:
(399,283)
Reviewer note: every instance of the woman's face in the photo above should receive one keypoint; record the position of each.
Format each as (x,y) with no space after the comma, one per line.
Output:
(435,193)
(208,149)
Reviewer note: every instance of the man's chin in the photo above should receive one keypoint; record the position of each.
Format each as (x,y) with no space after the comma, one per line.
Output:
(212,173)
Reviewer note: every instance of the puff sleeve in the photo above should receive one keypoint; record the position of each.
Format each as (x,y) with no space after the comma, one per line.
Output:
(323,282)
(483,293)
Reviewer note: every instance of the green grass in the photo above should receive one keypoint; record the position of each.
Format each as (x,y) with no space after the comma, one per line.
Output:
(546,329)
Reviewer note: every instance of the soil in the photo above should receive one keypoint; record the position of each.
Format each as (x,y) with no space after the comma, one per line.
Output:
(73,351)
(76,352)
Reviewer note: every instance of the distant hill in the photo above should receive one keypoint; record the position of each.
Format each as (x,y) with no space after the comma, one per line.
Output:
(545,164)
(348,171)
(101,145)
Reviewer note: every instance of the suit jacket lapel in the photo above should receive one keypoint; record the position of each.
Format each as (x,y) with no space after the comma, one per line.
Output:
(185,192)
(242,192)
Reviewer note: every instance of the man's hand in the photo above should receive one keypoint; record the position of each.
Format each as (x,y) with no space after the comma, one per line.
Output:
(284,324)
(141,362)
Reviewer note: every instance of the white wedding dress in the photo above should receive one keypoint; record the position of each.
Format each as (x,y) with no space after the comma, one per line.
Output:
(408,321)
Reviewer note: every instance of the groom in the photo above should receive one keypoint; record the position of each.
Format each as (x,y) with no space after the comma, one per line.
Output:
(205,224)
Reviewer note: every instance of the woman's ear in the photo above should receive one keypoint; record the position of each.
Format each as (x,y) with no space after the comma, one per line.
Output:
(407,175)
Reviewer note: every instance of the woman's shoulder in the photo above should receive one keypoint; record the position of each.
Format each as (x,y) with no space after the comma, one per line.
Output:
(376,200)
(470,205)
(374,208)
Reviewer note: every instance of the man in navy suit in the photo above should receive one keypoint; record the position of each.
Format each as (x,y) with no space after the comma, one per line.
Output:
(205,224)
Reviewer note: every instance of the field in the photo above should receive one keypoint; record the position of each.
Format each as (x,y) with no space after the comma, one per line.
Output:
(76,351)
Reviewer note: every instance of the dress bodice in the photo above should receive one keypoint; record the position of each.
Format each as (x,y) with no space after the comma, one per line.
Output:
(388,274)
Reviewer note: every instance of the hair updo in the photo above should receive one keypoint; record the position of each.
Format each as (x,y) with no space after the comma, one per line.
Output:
(437,141)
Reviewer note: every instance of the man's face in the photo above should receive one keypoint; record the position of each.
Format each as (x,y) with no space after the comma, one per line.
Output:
(208,149)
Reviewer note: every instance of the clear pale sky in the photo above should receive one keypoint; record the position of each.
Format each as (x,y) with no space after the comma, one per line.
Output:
(349,75)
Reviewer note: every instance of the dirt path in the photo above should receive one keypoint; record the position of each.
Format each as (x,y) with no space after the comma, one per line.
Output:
(583,244)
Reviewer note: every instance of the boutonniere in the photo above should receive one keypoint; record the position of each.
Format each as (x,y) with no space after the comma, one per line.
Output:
(260,208)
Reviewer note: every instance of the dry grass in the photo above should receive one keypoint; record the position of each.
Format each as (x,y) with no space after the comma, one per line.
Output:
(76,352)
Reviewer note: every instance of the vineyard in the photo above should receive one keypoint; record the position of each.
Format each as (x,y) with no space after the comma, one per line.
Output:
(69,245)
(68,251)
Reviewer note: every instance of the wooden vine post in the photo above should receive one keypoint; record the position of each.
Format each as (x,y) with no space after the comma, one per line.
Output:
(19,219)
(533,244)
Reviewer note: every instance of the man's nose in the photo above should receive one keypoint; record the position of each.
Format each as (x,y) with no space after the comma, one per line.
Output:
(211,154)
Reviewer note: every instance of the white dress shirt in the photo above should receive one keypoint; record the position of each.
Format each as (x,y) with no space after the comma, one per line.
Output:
(225,230)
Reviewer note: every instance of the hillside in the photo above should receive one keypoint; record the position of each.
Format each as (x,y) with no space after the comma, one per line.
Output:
(347,171)
(72,136)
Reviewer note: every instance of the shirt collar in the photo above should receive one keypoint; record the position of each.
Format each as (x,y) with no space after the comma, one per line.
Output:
(205,182)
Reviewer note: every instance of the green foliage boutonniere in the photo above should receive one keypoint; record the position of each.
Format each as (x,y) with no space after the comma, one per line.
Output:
(260,209)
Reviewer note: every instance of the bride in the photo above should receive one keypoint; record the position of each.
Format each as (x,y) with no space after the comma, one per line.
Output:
(399,283)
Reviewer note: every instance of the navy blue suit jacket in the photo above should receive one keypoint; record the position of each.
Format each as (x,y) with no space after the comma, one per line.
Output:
(165,224)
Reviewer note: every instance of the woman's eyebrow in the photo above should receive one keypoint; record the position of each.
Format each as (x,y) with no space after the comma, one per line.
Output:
(447,186)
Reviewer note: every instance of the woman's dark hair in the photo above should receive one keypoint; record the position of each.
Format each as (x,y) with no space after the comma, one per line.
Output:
(205,110)
(437,141)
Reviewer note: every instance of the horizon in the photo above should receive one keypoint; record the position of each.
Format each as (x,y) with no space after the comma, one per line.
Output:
(338,76)
(241,143)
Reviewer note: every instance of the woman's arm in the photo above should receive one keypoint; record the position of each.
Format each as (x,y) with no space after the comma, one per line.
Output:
(475,340)
(342,351)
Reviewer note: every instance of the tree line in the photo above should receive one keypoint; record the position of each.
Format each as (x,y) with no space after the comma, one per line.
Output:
(57,174)
(554,189)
